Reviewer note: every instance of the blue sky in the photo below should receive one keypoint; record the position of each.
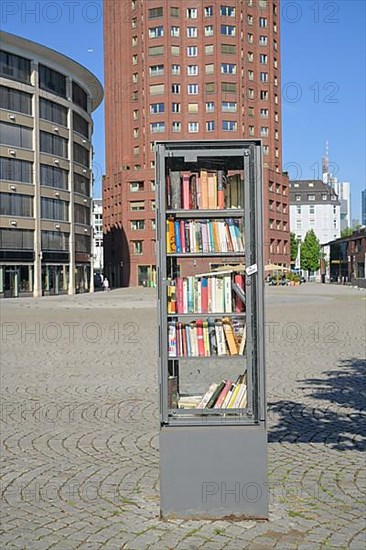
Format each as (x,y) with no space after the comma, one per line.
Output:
(323,76)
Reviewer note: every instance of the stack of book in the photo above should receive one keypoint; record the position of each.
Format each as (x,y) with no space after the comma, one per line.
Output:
(206,338)
(204,236)
(208,190)
(224,395)
(210,294)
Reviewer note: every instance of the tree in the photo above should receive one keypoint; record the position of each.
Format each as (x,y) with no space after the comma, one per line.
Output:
(293,246)
(347,232)
(310,252)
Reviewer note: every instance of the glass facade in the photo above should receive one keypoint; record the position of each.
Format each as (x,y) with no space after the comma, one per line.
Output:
(51,176)
(15,135)
(15,67)
(37,238)
(53,145)
(49,110)
(52,81)
(54,209)
(12,204)
(16,170)
(15,100)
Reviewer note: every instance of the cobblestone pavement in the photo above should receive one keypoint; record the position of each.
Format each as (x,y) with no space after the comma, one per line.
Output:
(79,425)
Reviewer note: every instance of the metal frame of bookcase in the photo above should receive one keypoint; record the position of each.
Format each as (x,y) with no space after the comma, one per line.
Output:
(242,429)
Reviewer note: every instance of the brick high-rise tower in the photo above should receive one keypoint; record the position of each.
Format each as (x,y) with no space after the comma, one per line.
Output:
(186,69)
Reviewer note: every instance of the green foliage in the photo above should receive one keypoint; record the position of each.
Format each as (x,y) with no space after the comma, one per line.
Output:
(347,232)
(310,252)
(293,246)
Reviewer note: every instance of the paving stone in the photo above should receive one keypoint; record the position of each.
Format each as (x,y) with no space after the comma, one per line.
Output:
(79,436)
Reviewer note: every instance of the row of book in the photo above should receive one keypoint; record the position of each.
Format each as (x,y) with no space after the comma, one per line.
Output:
(224,395)
(206,338)
(196,236)
(211,294)
(204,190)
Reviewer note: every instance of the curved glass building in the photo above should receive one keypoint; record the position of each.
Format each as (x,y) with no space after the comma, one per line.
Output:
(46,103)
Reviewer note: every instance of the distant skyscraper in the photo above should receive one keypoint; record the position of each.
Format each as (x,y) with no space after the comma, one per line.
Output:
(363,207)
(342,189)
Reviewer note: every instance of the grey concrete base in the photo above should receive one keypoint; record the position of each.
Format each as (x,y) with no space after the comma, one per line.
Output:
(213,472)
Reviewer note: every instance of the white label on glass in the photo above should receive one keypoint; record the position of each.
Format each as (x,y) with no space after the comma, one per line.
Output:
(251,269)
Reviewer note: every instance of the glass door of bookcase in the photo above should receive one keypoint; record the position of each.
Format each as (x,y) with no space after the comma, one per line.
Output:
(209,273)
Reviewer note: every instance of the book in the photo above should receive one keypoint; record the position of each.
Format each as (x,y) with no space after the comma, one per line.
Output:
(189,401)
(186,198)
(220,189)
(215,395)
(176,202)
(223,394)
(207,396)
(212,336)
(170,238)
(220,338)
(229,335)
(204,188)
(172,340)
(200,341)
(243,341)
(173,396)
(228,397)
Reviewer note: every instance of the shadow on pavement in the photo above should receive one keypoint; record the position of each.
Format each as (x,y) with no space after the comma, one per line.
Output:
(338,421)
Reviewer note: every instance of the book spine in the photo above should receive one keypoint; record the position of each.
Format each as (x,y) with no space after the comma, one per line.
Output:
(188,340)
(228,397)
(220,190)
(220,338)
(179,288)
(176,202)
(199,192)
(193,192)
(215,395)
(212,336)
(172,339)
(223,394)
(185,295)
(201,345)
(177,237)
(233,396)
(204,295)
(199,296)
(229,335)
(186,236)
(186,195)
(173,298)
(206,338)
(207,397)
(182,236)
(243,341)
(204,189)
(227,292)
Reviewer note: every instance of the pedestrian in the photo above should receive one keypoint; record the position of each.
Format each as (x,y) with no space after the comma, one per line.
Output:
(106,284)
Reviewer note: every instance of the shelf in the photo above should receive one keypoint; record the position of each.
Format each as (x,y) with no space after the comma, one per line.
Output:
(206,315)
(226,213)
(205,254)
(205,357)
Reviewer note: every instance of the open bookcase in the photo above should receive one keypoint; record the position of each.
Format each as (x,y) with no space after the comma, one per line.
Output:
(210,297)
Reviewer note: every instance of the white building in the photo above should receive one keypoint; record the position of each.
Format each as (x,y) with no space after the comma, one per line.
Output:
(342,189)
(97,222)
(314,205)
